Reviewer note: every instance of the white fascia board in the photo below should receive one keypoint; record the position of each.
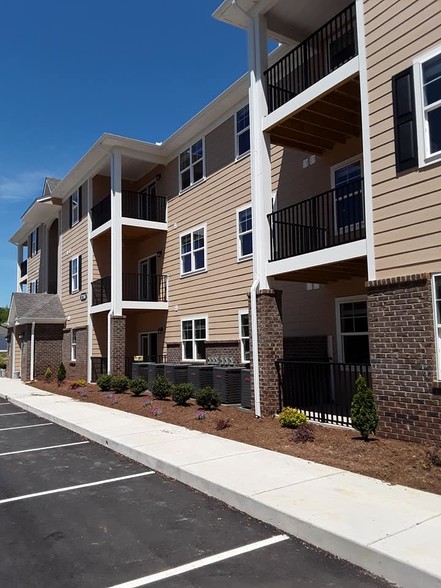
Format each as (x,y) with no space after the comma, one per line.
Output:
(26,320)
(311,94)
(22,233)
(317,258)
(101,229)
(133,222)
(143,305)
(100,308)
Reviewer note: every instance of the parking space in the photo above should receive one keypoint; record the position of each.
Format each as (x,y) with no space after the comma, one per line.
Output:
(75,514)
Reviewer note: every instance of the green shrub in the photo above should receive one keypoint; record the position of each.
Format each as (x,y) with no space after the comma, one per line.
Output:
(364,416)
(161,387)
(2,365)
(120,383)
(48,374)
(292,418)
(61,372)
(104,382)
(208,398)
(79,383)
(181,393)
(138,385)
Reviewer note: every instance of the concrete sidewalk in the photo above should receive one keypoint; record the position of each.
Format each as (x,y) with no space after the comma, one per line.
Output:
(392,531)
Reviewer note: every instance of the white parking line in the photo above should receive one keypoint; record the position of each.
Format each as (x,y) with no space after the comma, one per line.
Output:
(11,413)
(43,448)
(26,426)
(206,561)
(68,488)
(4,403)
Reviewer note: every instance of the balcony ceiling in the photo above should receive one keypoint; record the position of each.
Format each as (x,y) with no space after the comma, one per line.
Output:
(318,127)
(331,272)
(132,169)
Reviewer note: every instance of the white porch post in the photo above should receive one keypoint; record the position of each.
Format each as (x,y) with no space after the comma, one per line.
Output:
(89,278)
(19,262)
(116,239)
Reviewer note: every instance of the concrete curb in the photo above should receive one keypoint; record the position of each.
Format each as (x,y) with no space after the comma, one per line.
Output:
(396,570)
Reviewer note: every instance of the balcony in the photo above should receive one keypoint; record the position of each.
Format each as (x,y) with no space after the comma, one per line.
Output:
(323,52)
(101,291)
(23,268)
(333,218)
(135,288)
(136,205)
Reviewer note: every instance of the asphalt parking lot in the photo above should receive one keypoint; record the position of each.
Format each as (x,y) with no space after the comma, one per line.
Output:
(75,514)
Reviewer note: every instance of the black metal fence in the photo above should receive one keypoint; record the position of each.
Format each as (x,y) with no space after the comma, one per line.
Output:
(101,291)
(143,206)
(101,213)
(323,390)
(99,367)
(143,287)
(325,50)
(332,218)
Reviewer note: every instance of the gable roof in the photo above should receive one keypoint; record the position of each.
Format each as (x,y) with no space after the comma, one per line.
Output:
(35,308)
(49,185)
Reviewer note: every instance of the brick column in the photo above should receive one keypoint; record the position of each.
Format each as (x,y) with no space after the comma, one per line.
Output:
(25,369)
(402,349)
(117,345)
(270,345)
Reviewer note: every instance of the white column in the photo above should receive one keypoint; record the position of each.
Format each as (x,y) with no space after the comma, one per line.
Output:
(260,148)
(89,278)
(19,261)
(116,239)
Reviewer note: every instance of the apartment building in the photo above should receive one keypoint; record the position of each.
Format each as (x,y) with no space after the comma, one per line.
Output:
(313,254)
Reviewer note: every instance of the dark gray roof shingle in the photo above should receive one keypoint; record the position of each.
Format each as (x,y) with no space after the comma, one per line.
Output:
(37,307)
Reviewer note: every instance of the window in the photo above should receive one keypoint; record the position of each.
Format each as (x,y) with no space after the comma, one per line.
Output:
(191,165)
(428,99)
(32,287)
(73,345)
(437,319)
(242,120)
(194,335)
(75,208)
(193,251)
(244,334)
(352,326)
(34,243)
(244,232)
(346,179)
(75,275)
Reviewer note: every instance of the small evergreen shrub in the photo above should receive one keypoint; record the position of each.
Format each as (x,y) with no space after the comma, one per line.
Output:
(161,387)
(304,434)
(61,373)
(138,385)
(208,398)
(104,382)
(120,383)
(181,393)
(48,374)
(292,418)
(364,416)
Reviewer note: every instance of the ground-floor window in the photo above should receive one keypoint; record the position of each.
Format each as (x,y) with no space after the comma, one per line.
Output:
(194,335)
(437,318)
(244,334)
(73,345)
(352,329)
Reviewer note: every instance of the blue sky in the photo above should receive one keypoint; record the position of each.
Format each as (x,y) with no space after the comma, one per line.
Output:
(73,70)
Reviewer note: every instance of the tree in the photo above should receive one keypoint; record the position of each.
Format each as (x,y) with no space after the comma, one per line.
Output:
(364,416)
(4,312)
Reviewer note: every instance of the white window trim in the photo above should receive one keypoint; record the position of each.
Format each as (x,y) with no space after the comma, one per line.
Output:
(338,301)
(238,241)
(424,157)
(240,313)
(236,135)
(75,195)
(33,287)
(194,318)
(204,171)
(332,170)
(34,243)
(73,346)
(437,329)
(77,288)
(202,269)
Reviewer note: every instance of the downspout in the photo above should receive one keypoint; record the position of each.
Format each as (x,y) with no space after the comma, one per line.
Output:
(109,339)
(255,344)
(32,367)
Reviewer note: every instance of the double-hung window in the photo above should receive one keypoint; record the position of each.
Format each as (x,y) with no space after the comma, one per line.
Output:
(75,274)
(353,343)
(191,165)
(32,287)
(34,243)
(437,319)
(242,122)
(244,333)
(73,345)
(428,98)
(349,213)
(193,251)
(75,206)
(194,335)
(244,232)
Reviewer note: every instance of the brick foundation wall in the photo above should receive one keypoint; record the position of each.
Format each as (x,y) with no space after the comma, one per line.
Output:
(221,349)
(48,349)
(305,348)
(270,329)
(402,351)
(118,345)
(75,370)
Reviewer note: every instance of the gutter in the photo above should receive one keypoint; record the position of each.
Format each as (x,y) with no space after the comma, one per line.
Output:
(32,366)
(255,344)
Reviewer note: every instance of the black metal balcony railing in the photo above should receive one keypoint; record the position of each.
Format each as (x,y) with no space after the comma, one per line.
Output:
(101,213)
(23,268)
(144,288)
(326,220)
(99,367)
(101,291)
(323,390)
(143,206)
(325,50)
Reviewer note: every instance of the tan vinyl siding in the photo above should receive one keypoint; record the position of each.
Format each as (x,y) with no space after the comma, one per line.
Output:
(74,243)
(220,147)
(406,209)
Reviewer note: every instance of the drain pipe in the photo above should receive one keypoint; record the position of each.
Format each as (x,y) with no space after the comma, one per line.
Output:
(32,367)
(256,380)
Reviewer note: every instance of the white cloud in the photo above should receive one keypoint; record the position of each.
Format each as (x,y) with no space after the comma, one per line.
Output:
(23,186)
